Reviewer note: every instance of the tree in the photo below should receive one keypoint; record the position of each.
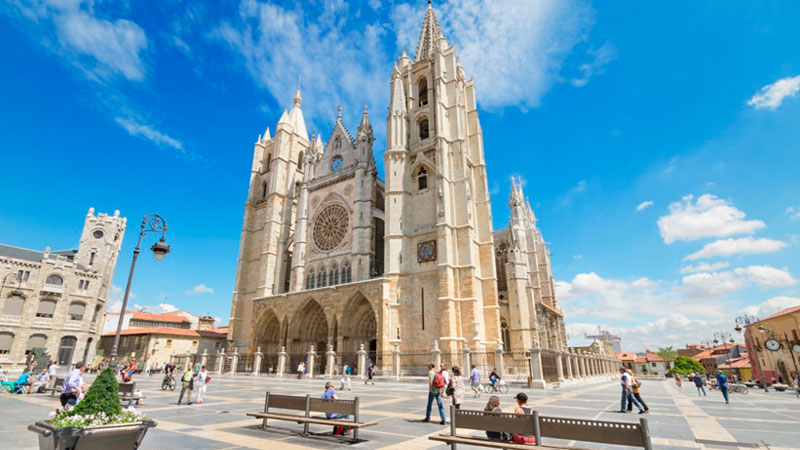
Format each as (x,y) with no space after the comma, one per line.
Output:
(667,353)
(685,365)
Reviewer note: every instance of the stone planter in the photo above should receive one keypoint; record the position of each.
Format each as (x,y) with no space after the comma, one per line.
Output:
(779,387)
(750,384)
(118,437)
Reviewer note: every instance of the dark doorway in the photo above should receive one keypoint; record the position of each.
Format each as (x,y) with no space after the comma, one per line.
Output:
(65,350)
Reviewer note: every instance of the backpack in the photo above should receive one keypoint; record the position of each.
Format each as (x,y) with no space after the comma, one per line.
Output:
(347,369)
(438,380)
(450,389)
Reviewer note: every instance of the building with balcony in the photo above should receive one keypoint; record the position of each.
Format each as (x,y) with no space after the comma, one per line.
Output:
(54,300)
(773,345)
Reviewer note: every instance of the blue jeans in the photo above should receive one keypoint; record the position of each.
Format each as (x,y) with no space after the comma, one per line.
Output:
(438,398)
(701,389)
(724,392)
(627,394)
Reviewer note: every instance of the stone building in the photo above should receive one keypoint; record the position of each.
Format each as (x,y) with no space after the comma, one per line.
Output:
(55,299)
(333,257)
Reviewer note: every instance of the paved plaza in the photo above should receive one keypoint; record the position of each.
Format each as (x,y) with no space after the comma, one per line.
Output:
(679,419)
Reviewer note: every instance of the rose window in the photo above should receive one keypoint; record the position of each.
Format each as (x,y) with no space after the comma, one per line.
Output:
(330,227)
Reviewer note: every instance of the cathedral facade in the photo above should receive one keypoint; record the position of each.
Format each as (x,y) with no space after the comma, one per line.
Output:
(334,257)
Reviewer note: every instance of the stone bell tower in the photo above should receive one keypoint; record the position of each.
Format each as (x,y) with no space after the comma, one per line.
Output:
(439,247)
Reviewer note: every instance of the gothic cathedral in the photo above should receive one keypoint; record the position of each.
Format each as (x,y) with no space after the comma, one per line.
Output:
(333,257)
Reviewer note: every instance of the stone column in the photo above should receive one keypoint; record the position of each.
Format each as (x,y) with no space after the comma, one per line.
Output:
(362,361)
(436,354)
(220,361)
(204,357)
(569,364)
(257,362)
(396,362)
(537,376)
(498,360)
(559,368)
(234,360)
(465,354)
(582,363)
(311,355)
(283,359)
(331,361)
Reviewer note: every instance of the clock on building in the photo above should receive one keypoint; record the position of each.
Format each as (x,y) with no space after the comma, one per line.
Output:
(772,344)
(426,251)
(796,348)
(336,163)
(97,234)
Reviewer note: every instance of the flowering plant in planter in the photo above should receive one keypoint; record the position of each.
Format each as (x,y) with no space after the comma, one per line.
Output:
(97,418)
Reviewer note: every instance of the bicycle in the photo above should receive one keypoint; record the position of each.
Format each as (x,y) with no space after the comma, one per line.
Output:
(168,382)
(738,388)
(500,387)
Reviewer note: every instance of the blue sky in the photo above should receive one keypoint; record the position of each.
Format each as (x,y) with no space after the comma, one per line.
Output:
(658,142)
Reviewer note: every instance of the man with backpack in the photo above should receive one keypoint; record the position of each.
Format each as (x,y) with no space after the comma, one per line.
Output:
(435,383)
(346,372)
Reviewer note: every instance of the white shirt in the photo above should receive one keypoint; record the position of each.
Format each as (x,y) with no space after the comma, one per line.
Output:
(53,369)
(201,377)
(626,380)
(446,376)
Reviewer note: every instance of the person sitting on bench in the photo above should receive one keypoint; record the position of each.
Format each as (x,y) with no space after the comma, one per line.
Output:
(523,408)
(330,394)
(24,382)
(493,405)
(41,381)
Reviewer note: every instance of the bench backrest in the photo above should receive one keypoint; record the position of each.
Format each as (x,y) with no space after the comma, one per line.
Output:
(59,383)
(597,431)
(279,401)
(346,407)
(493,421)
(127,388)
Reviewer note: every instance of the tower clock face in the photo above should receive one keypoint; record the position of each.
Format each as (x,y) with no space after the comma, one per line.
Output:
(98,234)
(796,348)
(772,345)
(336,163)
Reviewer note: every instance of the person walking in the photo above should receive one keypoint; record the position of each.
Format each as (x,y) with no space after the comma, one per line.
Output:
(445,374)
(475,381)
(456,387)
(523,408)
(678,381)
(636,387)
(301,370)
(698,382)
(346,372)
(435,385)
(71,390)
(627,392)
(370,373)
(722,383)
(202,382)
(52,368)
(187,384)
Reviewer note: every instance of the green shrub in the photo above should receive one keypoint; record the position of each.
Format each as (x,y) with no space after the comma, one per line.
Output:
(103,396)
(685,365)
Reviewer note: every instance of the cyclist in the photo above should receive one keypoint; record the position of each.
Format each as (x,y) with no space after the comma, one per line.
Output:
(494,378)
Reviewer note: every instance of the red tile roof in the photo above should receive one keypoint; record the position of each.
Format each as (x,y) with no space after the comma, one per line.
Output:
(783,312)
(640,359)
(738,363)
(159,317)
(650,356)
(170,331)
(625,356)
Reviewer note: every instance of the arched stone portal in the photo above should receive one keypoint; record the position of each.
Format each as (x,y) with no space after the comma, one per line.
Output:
(309,326)
(359,326)
(268,333)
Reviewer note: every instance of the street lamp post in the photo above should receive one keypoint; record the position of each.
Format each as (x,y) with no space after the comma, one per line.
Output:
(151,223)
(745,320)
(723,336)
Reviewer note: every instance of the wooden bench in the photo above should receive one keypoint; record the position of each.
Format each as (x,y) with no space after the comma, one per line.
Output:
(127,394)
(308,405)
(56,386)
(583,430)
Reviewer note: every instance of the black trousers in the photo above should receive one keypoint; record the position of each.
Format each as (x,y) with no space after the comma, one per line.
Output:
(644,405)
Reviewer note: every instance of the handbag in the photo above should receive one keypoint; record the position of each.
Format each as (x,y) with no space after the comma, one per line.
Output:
(450,389)
(191,384)
(208,379)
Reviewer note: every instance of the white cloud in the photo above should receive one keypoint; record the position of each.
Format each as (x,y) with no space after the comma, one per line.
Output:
(335,62)
(709,216)
(643,205)
(600,57)
(772,306)
(772,95)
(590,295)
(199,289)
(567,198)
(708,285)
(116,293)
(114,307)
(101,47)
(793,213)
(728,247)
(705,267)
(134,128)
(767,276)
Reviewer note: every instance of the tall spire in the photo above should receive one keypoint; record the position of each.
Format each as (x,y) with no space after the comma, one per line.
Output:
(429,36)
(364,127)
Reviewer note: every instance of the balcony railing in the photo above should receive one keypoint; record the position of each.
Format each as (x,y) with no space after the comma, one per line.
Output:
(6,319)
(72,324)
(43,322)
(53,288)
